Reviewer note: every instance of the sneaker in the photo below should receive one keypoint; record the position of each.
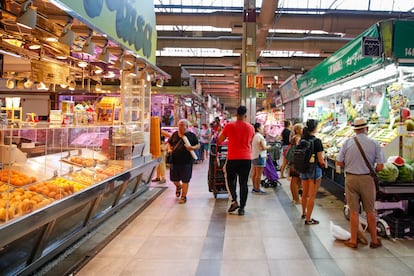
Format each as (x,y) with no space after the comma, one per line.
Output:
(241,212)
(258,191)
(233,207)
(311,222)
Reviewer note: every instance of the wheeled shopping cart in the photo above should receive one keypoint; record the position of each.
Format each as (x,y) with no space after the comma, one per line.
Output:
(271,178)
(391,205)
(216,177)
(274,153)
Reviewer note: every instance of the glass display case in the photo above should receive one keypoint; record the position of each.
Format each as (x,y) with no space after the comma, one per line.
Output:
(58,182)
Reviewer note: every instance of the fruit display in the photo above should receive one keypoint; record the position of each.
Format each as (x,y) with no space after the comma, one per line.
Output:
(20,202)
(16,178)
(110,170)
(52,190)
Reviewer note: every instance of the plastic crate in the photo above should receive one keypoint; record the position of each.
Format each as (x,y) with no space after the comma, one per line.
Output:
(401,226)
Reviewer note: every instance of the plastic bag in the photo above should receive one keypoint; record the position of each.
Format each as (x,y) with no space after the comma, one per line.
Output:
(339,233)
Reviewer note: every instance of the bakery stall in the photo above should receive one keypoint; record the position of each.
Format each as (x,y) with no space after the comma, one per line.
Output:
(64,176)
(50,201)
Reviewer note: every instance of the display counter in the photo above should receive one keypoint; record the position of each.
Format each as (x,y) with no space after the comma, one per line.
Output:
(90,184)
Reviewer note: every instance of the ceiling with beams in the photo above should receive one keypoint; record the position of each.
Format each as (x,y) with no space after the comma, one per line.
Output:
(205,38)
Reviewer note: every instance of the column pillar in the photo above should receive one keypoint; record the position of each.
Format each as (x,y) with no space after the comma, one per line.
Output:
(249,64)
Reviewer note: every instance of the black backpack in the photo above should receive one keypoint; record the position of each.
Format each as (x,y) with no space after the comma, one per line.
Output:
(302,155)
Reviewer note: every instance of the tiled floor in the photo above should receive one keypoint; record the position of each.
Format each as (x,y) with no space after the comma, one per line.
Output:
(201,238)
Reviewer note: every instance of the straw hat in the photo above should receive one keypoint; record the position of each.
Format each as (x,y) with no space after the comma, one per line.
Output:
(360,123)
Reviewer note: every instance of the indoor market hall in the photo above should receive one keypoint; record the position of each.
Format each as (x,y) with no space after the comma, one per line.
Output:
(201,238)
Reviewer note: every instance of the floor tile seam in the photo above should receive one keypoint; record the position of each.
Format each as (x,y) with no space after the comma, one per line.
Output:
(305,234)
(218,223)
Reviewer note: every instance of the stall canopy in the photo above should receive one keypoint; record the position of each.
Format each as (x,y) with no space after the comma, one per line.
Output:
(346,61)
(388,41)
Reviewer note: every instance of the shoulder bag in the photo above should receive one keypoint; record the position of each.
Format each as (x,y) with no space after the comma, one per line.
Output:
(371,170)
(169,156)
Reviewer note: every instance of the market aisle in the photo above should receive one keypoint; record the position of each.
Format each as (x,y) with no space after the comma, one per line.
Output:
(200,238)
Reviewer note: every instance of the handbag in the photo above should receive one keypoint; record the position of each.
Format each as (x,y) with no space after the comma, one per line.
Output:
(169,156)
(372,173)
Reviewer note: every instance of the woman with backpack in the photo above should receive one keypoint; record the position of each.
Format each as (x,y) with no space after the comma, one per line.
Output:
(311,180)
(293,173)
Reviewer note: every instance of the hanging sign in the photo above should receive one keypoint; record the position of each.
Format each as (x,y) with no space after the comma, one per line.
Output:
(250,81)
(130,23)
(259,81)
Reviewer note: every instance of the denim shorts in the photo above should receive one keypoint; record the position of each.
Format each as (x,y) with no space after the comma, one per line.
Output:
(259,162)
(312,174)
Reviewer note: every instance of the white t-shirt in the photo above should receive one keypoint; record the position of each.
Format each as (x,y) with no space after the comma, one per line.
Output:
(258,139)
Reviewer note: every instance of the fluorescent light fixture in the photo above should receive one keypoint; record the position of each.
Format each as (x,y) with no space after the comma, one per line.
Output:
(28,18)
(10,54)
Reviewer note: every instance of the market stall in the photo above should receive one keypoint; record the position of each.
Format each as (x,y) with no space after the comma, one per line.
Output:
(371,77)
(63,177)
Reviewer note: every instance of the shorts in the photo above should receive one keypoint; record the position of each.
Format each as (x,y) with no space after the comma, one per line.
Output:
(360,188)
(181,172)
(312,174)
(285,149)
(259,162)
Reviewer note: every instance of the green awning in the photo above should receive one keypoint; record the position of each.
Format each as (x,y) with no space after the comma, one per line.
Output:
(346,61)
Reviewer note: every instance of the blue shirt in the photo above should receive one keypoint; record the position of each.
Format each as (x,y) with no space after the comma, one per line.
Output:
(351,156)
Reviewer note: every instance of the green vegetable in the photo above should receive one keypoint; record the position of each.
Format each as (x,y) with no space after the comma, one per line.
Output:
(389,173)
(405,173)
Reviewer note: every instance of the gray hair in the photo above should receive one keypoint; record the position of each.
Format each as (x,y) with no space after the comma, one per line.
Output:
(185,121)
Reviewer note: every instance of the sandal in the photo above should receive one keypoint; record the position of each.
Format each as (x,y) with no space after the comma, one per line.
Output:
(350,244)
(178,192)
(182,200)
(375,245)
(311,222)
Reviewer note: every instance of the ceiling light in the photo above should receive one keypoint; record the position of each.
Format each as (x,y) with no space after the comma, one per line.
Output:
(34,46)
(28,16)
(89,46)
(72,84)
(98,86)
(120,64)
(42,86)
(98,70)
(10,53)
(10,83)
(160,83)
(82,64)
(104,56)
(28,84)
(51,39)
(68,36)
